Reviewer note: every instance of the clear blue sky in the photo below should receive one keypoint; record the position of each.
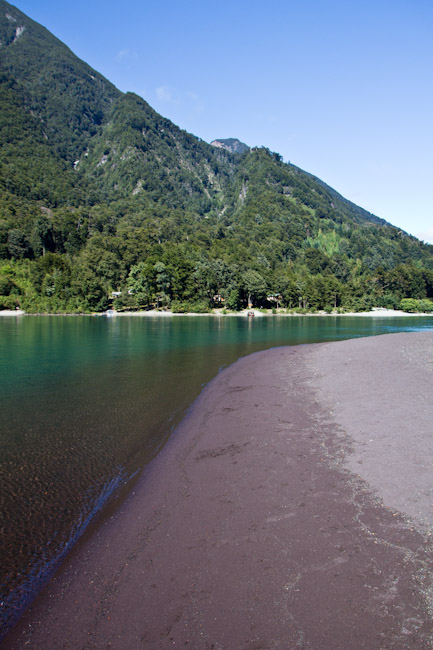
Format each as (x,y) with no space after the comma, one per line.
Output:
(342,89)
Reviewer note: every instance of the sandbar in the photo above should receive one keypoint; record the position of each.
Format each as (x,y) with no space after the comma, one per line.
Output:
(291,508)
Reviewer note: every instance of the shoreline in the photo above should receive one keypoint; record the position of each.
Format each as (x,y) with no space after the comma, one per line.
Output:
(256,525)
(376,312)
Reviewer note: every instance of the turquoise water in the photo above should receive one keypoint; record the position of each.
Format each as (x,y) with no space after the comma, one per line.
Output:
(87,401)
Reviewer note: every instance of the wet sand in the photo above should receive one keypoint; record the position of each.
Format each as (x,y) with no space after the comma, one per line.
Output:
(291,509)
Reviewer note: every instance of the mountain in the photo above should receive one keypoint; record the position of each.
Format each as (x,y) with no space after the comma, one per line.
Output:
(231,144)
(69,98)
(100,193)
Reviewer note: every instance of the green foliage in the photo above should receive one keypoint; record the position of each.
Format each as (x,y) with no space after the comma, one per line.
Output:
(234,300)
(17,244)
(413,305)
(388,301)
(255,286)
(65,94)
(328,242)
(29,167)
(199,307)
(178,307)
(426,305)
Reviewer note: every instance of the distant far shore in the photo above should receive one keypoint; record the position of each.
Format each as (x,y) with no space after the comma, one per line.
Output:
(375,312)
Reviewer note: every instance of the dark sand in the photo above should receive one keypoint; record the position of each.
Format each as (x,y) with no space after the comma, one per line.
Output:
(291,509)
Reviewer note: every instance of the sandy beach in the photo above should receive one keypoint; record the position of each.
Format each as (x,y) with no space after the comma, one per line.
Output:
(292,508)
(376,312)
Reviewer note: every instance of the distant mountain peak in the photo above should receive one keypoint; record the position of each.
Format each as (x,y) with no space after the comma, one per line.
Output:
(231,144)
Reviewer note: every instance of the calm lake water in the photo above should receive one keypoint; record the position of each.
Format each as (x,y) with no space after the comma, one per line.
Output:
(87,401)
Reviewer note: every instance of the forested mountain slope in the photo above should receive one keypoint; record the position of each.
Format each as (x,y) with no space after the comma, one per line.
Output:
(68,97)
(99,193)
(138,152)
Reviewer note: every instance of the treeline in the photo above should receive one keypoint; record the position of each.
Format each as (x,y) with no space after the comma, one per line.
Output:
(72,260)
(56,284)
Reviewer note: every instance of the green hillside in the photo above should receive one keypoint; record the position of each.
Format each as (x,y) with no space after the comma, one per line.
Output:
(140,153)
(68,97)
(99,193)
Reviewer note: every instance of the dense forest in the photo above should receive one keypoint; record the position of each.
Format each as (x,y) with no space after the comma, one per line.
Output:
(103,202)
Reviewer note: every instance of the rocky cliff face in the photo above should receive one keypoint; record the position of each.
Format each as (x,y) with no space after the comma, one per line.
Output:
(231,144)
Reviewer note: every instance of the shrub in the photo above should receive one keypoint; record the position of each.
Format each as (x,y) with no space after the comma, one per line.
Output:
(178,307)
(413,305)
(410,305)
(388,300)
(201,307)
(360,304)
(426,305)
(8,302)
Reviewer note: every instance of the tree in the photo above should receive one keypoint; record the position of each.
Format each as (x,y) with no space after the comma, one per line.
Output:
(316,261)
(255,286)
(233,299)
(139,285)
(42,236)
(162,281)
(330,291)
(18,245)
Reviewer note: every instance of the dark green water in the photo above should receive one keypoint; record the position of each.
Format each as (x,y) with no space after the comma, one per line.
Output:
(87,401)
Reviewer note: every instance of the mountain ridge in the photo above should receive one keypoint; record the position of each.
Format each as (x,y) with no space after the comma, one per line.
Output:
(100,193)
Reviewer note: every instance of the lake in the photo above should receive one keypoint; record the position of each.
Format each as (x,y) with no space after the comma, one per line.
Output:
(88,401)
